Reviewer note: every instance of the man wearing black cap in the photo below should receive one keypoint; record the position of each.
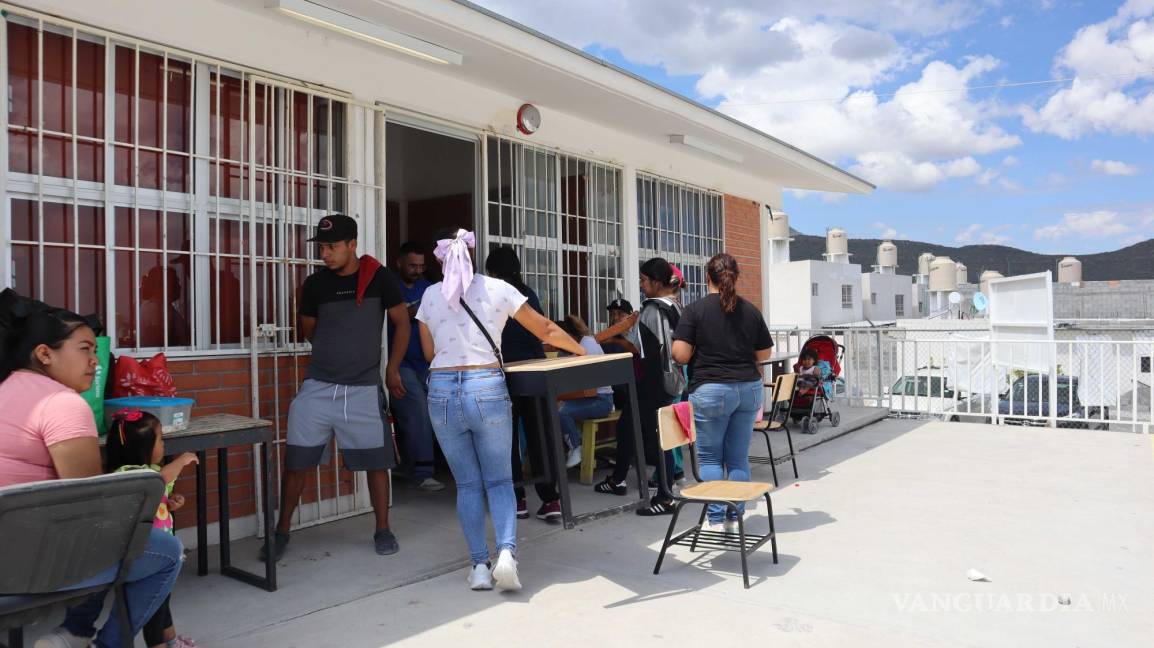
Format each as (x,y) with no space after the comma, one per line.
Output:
(342,312)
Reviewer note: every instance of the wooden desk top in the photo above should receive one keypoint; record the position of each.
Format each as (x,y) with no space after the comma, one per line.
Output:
(201,426)
(554,364)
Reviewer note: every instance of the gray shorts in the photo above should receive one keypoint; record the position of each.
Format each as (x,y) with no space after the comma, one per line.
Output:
(354,413)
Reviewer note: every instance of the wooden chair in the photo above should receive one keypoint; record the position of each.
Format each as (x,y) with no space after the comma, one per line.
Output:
(590,446)
(784,389)
(729,493)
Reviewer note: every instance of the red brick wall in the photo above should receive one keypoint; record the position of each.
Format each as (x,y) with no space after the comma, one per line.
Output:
(743,241)
(223,386)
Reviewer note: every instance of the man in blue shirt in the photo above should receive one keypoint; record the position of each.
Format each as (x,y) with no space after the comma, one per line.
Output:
(412,410)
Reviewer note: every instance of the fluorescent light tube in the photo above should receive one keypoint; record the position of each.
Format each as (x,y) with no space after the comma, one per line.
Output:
(706,147)
(343,23)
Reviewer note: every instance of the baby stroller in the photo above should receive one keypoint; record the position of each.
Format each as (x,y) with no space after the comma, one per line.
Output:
(813,406)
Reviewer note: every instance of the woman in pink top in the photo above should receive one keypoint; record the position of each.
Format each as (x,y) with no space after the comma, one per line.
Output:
(47,431)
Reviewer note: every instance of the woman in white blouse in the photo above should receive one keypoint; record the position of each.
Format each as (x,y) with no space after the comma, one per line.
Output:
(468,402)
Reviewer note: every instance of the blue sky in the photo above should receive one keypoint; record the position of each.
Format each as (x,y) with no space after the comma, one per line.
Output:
(1055,168)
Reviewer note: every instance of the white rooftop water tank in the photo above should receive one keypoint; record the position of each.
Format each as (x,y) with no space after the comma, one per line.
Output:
(924,261)
(887,255)
(984,280)
(943,275)
(778,227)
(1069,270)
(836,242)
(963,274)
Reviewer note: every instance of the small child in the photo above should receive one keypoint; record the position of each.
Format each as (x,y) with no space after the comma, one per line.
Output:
(811,371)
(135,443)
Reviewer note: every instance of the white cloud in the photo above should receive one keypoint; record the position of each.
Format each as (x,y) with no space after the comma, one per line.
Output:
(1007,21)
(886,231)
(1114,167)
(1095,224)
(1010,161)
(986,177)
(1112,63)
(980,234)
(804,70)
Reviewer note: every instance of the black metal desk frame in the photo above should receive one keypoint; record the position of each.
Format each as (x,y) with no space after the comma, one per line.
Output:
(221,441)
(545,385)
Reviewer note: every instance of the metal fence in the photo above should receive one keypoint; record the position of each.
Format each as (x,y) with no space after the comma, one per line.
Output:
(966,376)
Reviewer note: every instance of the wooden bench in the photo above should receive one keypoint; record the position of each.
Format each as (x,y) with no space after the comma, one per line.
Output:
(589,444)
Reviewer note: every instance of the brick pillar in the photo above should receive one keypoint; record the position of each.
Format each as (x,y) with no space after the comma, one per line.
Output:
(743,241)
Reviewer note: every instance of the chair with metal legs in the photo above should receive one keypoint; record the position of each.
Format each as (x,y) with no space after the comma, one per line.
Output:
(784,389)
(730,493)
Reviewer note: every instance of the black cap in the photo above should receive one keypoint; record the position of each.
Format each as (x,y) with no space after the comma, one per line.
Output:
(622,305)
(335,228)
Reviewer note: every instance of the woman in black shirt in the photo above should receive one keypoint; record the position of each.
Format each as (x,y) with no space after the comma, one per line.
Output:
(722,338)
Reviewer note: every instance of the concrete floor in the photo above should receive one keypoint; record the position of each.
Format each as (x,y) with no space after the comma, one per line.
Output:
(875,540)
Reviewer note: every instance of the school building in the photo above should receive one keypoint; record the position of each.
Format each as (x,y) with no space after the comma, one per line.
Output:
(166,160)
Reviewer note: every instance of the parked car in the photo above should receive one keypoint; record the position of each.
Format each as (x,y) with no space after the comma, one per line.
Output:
(927,391)
(1028,396)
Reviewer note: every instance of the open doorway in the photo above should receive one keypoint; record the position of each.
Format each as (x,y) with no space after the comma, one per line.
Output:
(430,184)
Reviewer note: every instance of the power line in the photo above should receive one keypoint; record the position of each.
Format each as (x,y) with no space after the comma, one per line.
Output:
(992,86)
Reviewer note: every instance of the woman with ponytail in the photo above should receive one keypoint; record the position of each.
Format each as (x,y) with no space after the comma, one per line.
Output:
(722,338)
(47,431)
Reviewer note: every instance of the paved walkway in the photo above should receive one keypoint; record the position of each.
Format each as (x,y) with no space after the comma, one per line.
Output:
(876,539)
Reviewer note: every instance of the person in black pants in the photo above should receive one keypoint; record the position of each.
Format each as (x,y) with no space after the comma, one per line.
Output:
(519,344)
(658,320)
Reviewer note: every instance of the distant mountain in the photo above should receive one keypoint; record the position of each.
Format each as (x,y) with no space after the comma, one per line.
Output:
(1134,262)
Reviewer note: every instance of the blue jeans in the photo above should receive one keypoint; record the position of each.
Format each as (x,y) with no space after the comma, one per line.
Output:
(472,417)
(724,414)
(150,580)
(580,409)
(412,414)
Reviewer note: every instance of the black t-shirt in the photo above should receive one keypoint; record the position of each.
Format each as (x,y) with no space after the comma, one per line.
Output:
(724,343)
(517,343)
(347,341)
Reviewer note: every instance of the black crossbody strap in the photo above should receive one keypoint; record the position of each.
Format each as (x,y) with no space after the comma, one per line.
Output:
(485,332)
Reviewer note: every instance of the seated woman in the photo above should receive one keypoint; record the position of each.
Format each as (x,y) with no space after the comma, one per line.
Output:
(579,406)
(47,431)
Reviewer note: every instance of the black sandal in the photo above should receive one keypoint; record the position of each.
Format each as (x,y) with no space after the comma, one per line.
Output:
(658,507)
(607,487)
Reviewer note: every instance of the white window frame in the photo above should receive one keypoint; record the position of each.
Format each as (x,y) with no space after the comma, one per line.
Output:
(900,305)
(697,219)
(847,296)
(196,202)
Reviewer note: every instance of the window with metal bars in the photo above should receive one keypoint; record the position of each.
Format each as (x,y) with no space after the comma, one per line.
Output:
(130,182)
(562,214)
(847,295)
(900,305)
(681,223)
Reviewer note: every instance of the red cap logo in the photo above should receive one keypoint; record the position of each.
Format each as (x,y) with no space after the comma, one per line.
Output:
(326,224)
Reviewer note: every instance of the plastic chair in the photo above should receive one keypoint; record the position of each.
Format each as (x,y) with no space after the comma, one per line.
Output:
(57,533)
(784,389)
(729,493)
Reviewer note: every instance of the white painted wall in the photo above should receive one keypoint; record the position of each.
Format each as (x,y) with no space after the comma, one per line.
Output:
(789,304)
(791,300)
(886,286)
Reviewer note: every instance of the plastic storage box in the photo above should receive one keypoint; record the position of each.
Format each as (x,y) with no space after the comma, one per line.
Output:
(173,413)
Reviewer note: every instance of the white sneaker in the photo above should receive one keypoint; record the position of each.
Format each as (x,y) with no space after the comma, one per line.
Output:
(61,638)
(480,578)
(430,485)
(505,573)
(716,528)
(574,457)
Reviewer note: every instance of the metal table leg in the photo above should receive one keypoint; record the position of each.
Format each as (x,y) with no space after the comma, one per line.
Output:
(557,456)
(201,513)
(268,581)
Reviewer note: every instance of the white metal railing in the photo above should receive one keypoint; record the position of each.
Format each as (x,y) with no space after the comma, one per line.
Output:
(965,376)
